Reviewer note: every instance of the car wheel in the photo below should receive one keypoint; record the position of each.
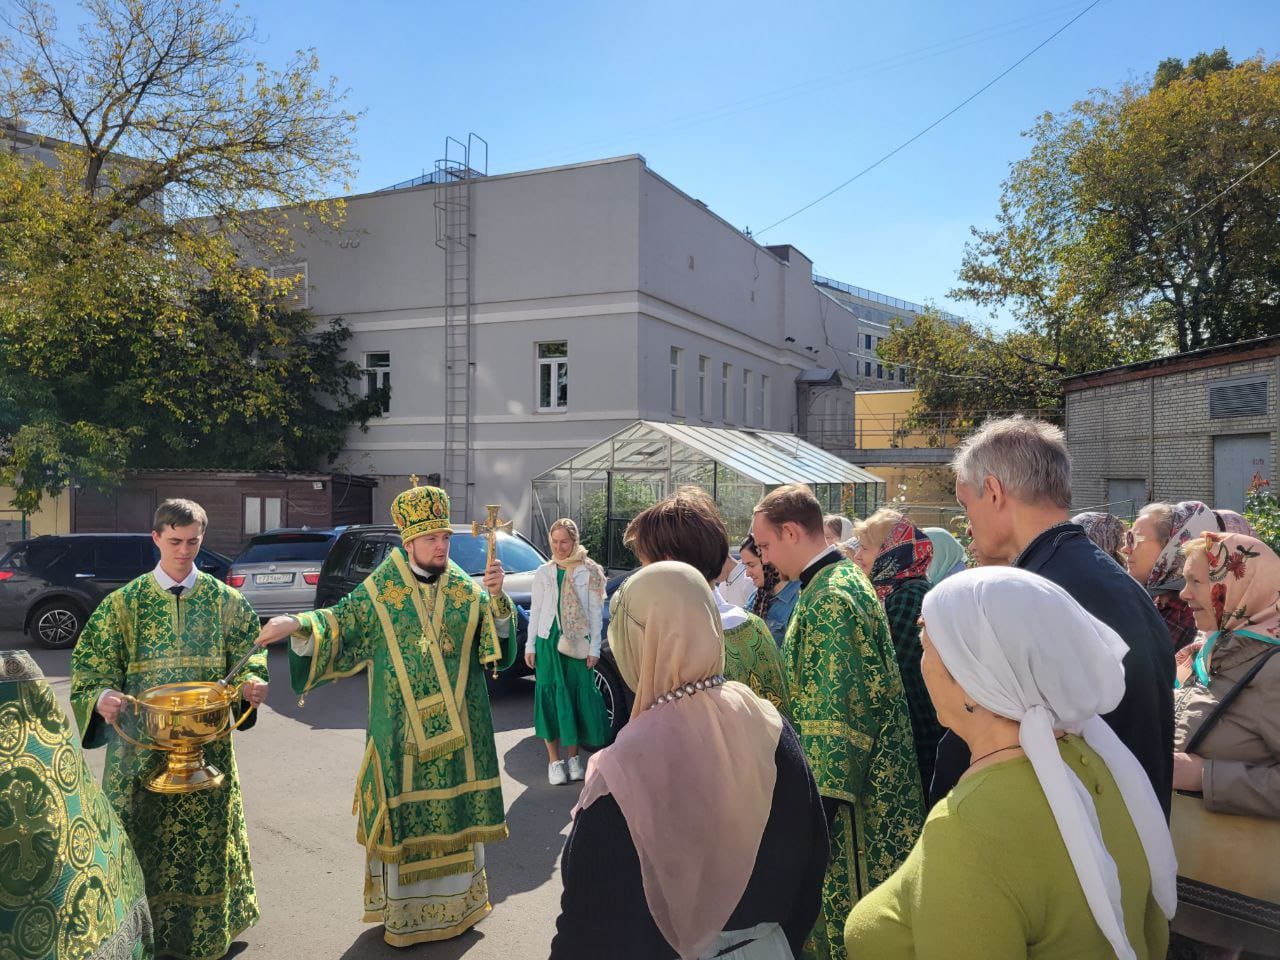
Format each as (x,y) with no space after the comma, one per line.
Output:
(57,624)
(614,692)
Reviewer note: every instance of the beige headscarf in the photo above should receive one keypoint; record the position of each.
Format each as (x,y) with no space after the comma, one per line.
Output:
(575,629)
(694,778)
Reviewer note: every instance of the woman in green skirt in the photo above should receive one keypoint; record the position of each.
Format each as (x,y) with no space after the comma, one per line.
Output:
(563,645)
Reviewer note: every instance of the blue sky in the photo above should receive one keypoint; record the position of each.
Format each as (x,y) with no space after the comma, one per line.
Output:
(754,107)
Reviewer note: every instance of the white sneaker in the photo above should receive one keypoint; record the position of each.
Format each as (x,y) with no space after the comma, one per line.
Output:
(556,774)
(576,769)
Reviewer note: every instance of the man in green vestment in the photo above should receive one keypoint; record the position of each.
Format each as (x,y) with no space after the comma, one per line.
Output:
(428,792)
(847,705)
(171,625)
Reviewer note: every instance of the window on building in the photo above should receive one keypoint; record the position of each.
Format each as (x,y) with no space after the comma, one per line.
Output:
(892,373)
(262,513)
(746,398)
(553,375)
(866,368)
(866,338)
(295,294)
(902,374)
(675,380)
(879,371)
(377,376)
(704,365)
(726,373)
(764,419)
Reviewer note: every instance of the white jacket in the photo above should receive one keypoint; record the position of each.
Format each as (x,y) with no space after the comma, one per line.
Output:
(544,605)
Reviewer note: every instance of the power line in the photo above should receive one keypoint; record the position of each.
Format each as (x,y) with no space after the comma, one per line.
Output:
(963,103)
(1231,186)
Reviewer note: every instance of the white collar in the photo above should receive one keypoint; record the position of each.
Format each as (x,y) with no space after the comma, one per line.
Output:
(731,615)
(818,556)
(169,583)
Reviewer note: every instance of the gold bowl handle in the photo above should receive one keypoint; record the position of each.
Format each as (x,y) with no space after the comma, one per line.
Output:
(133,703)
(243,717)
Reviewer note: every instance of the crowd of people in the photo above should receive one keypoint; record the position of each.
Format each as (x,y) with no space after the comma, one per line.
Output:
(860,740)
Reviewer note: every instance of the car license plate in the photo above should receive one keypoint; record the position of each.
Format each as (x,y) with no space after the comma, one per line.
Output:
(272,579)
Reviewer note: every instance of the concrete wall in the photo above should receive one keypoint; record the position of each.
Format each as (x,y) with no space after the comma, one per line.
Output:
(606,256)
(1158,429)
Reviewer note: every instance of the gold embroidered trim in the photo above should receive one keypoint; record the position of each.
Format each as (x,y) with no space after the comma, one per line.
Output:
(408,940)
(445,793)
(835,728)
(420,847)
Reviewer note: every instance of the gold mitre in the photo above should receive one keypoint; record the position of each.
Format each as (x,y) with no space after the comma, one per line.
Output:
(420,510)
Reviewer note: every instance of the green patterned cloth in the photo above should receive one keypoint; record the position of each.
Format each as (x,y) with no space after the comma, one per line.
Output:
(752,657)
(428,788)
(193,847)
(848,707)
(70,885)
(902,608)
(567,705)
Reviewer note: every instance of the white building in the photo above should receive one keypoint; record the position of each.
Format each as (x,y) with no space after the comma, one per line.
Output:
(584,298)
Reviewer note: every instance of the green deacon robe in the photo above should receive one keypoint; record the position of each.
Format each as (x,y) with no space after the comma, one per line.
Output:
(752,657)
(428,787)
(70,885)
(193,847)
(848,706)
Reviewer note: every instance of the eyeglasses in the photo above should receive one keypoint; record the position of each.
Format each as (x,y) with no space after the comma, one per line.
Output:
(1131,540)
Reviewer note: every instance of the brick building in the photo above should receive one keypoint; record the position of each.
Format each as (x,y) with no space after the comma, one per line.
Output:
(1195,426)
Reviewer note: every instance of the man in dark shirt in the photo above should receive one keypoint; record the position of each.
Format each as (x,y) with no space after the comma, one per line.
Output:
(1013,478)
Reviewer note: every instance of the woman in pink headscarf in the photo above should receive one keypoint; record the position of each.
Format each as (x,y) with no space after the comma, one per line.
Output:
(1153,555)
(700,832)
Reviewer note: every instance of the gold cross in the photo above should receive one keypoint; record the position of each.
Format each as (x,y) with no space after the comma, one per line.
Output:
(413,479)
(491,527)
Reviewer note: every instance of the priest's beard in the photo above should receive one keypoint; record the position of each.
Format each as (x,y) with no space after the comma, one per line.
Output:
(434,569)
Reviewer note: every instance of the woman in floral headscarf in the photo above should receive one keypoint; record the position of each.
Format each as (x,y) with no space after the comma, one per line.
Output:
(1153,554)
(1233,590)
(1106,530)
(896,554)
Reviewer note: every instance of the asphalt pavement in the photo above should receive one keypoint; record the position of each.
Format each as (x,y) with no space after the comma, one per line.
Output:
(297,771)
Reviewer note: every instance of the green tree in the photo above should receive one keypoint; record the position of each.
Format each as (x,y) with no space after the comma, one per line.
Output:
(131,326)
(1119,224)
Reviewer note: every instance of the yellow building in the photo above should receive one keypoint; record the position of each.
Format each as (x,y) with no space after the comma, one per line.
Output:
(54,516)
(881,421)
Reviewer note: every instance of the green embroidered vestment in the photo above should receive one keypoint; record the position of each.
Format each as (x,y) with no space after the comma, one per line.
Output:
(752,657)
(848,707)
(193,847)
(428,787)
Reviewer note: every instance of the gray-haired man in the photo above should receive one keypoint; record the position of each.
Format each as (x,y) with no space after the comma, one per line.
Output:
(1013,478)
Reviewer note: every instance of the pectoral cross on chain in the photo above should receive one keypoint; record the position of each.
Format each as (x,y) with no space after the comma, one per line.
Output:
(491,527)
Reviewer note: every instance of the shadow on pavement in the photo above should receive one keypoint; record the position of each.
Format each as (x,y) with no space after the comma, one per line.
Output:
(370,946)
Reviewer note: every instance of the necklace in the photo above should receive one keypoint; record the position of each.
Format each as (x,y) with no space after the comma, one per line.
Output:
(688,689)
(1014,746)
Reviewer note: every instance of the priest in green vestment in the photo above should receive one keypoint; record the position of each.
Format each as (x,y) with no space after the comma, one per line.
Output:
(70,885)
(847,705)
(428,793)
(170,625)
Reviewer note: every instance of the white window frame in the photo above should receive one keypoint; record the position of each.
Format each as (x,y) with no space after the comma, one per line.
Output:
(677,394)
(377,377)
(704,368)
(746,397)
(554,366)
(764,401)
(726,377)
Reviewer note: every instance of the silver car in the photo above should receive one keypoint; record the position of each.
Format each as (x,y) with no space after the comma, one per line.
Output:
(278,570)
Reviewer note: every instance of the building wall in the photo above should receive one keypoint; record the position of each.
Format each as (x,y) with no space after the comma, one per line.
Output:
(1158,430)
(879,416)
(54,516)
(607,257)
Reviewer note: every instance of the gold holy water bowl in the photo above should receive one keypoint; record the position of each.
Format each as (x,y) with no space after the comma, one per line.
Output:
(179,719)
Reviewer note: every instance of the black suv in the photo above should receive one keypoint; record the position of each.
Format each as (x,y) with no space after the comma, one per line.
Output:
(49,585)
(360,549)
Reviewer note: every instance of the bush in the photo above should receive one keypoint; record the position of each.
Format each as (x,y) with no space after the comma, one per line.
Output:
(1263,511)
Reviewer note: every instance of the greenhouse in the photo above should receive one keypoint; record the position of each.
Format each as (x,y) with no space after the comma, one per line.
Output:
(606,485)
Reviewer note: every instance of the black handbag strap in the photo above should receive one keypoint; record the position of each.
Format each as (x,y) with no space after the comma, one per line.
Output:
(1228,698)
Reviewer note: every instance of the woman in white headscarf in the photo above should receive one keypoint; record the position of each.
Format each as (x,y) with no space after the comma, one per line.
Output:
(1053,844)
(700,832)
